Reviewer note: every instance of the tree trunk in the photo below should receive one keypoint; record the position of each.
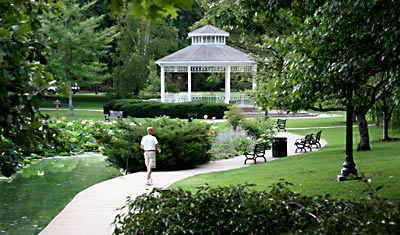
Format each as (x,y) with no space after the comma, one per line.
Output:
(364,135)
(386,120)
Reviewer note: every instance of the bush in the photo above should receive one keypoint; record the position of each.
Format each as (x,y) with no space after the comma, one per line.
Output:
(259,128)
(184,145)
(234,115)
(148,109)
(239,210)
(229,143)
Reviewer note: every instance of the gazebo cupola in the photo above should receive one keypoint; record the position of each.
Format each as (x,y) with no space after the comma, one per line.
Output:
(208,35)
(208,53)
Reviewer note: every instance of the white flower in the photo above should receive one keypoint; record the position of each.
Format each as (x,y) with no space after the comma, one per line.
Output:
(70,124)
(205,116)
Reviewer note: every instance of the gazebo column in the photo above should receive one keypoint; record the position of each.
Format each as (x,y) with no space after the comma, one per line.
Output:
(189,70)
(227,84)
(162,84)
(254,84)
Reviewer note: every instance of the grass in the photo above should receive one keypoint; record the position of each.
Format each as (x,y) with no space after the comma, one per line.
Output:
(315,173)
(88,107)
(33,198)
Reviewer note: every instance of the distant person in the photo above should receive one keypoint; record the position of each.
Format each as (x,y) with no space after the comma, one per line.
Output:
(149,144)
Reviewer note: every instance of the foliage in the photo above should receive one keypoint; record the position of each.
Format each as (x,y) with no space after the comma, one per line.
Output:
(312,54)
(153,86)
(153,10)
(23,79)
(148,109)
(80,46)
(239,210)
(229,143)
(234,115)
(184,145)
(259,128)
(140,42)
(30,200)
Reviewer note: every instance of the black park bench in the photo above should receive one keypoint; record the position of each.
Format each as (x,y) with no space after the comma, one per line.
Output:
(280,124)
(113,114)
(315,138)
(259,151)
(303,143)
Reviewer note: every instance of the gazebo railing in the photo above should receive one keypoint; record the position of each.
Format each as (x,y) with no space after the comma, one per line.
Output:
(240,100)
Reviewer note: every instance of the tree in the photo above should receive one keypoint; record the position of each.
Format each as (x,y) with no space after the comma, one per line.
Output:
(80,45)
(312,52)
(23,81)
(139,42)
(388,102)
(150,9)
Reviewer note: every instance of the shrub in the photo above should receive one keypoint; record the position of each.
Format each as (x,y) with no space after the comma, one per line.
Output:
(184,145)
(149,109)
(259,128)
(240,210)
(234,115)
(230,143)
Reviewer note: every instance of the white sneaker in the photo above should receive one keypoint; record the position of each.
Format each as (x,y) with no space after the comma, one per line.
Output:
(149,182)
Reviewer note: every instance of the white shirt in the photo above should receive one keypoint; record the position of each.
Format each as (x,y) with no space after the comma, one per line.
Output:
(149,142)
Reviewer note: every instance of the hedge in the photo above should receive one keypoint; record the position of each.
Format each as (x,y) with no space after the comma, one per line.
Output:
(240,210)
(184,145)
(151,109)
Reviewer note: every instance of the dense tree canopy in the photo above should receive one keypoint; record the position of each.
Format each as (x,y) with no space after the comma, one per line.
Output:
(139,43)
(23,80)
(320,55)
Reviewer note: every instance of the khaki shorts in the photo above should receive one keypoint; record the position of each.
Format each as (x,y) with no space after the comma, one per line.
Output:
(150,159)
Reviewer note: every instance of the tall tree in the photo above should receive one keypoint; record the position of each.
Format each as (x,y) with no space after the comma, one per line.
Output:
(312,52)
(139,42)
(80,45)
(23,80)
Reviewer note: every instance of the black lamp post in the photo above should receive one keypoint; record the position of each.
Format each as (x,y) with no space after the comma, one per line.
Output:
(349,170)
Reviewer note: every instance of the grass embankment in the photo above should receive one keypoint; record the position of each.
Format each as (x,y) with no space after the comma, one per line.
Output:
(315,173)
(88,107)
(33,198)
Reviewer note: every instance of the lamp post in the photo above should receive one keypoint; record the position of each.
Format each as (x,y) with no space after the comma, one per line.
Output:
(57,103)
(349,170)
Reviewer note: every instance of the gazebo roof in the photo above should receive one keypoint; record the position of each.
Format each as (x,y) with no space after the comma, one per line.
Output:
(207,54)
(208,30)
(209,51)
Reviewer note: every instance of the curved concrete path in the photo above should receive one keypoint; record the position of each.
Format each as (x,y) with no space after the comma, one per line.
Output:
(92,211)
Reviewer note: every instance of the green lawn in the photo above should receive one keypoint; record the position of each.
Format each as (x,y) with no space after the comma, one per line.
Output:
(315,173)
(32,199)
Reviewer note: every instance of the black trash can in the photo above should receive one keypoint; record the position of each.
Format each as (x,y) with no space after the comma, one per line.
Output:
(106,109)
(279,147)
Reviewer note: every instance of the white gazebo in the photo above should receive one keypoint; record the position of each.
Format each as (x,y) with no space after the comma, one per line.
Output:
(207,54)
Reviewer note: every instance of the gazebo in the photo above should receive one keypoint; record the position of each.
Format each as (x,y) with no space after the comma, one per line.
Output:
(208,53)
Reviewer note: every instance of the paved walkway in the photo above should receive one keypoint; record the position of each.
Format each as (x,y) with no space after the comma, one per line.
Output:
(93,210)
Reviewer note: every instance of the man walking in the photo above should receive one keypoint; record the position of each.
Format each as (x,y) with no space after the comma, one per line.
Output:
(149,144)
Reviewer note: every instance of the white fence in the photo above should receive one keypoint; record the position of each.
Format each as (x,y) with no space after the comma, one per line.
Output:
(183,97)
